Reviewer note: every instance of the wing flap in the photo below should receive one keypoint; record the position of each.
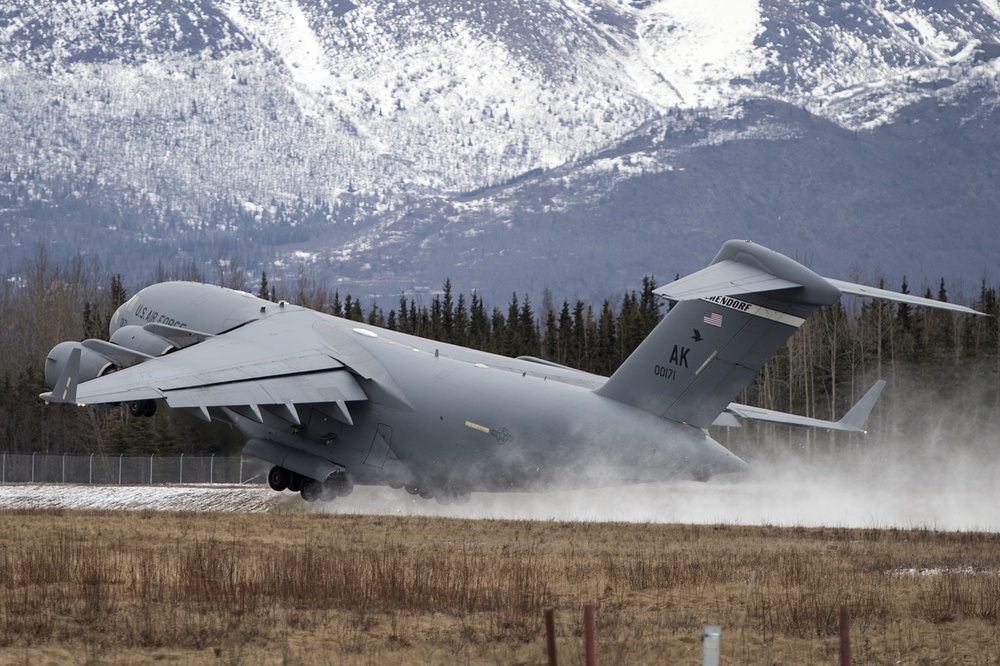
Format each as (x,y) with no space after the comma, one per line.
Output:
(319,387)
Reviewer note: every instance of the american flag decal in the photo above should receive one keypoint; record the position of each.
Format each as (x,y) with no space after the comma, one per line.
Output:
(713,319)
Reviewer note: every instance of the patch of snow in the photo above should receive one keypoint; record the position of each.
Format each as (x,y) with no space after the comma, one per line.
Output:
(209,497)
(697,48)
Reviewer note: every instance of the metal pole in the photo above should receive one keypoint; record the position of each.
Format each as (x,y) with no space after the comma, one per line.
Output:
(180,479)
(589,648)
(32,466)
(711,645)
(64,467)
(211,469)
(91,468)
(151,470)
(550,635)
(120,456)
(241,469)
(5,467)
(845,636)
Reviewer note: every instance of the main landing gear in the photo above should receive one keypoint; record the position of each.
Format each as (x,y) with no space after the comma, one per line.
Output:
(444,496)
(142,408)
(338,484)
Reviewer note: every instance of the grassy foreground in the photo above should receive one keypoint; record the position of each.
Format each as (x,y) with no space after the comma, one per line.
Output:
(279,588)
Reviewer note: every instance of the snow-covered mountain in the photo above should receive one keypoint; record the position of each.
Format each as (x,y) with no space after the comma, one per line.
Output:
(395,143)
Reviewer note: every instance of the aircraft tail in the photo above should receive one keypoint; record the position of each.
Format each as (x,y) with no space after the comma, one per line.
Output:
(731,317)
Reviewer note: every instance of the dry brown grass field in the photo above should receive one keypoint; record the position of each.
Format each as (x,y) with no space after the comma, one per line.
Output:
(294,588)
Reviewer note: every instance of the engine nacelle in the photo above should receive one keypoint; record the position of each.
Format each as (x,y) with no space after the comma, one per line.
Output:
(92,364)
(139,339)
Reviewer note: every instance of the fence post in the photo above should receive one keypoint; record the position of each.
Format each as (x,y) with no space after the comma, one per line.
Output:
(211,469)
(589,644)
(32,466)
(711,645)
(241,469)
(151,469)
(64,467)
(5,467)
(550,635)
(845,636)
(180,479)
(91,468)
(120,456)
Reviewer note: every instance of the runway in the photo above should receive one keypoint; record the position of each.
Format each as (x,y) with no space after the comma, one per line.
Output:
(953,496)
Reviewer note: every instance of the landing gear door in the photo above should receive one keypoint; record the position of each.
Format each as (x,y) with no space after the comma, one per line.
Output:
(380,446)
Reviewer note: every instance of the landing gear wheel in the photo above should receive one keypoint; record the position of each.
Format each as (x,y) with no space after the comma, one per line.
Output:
(142,408)
(412,488)
(311,490)
(277,478)
(295,482)
(338,484)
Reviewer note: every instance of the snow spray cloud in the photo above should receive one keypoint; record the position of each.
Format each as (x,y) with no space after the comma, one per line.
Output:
(933,471)
(860,491)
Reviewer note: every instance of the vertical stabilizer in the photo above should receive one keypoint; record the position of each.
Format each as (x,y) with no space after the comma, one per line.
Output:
(730,319)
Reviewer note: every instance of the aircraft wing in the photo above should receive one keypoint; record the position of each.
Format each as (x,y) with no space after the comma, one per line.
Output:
(280,361)
(853,421)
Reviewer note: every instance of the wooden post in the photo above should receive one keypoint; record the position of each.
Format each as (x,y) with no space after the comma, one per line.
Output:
(845,636)
(550,635)
(589,649)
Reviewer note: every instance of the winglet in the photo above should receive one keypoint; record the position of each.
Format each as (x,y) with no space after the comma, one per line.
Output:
(65,388)
(859,413)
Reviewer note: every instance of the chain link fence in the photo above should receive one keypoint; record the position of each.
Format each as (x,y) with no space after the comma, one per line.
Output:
(129,470)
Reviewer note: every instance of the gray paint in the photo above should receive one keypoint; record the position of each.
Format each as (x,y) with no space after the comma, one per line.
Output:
(316,394)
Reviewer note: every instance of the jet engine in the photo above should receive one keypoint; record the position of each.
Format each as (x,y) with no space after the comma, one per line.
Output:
(139,339)
(92,364)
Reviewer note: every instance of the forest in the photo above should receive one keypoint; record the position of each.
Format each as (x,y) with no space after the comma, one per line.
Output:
(943,370)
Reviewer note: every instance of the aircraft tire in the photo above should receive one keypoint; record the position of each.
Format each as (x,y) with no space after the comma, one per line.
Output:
(277,478)
(295,481)
(412,488)
(337,485)
(311,490)
(139,408)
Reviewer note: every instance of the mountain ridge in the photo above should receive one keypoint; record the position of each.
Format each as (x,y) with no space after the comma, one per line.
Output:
(382,145)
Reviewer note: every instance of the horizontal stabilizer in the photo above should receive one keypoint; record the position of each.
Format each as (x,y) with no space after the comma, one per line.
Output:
(885,294)
(725,278)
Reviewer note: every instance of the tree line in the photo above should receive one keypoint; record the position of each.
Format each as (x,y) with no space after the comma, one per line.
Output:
(947,365)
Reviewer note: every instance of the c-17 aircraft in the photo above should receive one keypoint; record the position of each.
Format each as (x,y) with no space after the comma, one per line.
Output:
(331,403)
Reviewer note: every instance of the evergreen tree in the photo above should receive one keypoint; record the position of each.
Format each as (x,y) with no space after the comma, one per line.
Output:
(262,292)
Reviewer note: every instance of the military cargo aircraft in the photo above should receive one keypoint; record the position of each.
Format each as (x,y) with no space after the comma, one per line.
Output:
(331,403)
